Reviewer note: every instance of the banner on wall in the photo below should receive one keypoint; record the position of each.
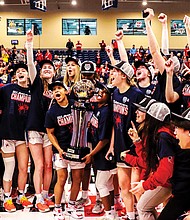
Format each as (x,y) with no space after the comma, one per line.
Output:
(38,5)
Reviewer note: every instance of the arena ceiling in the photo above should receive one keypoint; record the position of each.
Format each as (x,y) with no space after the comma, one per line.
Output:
(94,5)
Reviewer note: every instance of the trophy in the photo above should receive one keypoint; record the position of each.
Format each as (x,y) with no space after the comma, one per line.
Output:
(82,112)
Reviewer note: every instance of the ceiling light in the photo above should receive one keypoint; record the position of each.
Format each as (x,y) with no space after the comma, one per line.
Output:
(2,2)
(144,2)
(74,2)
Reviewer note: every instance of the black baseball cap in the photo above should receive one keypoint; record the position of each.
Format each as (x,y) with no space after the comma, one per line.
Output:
(183,120)
(88,67)
(74,59)
(144,104)
(56,83)
(139,63)
(20,65)
(41,63)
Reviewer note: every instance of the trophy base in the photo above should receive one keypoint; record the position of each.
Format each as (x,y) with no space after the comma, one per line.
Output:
(76,154)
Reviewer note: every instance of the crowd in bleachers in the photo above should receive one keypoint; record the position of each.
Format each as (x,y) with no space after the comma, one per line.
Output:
(9,57)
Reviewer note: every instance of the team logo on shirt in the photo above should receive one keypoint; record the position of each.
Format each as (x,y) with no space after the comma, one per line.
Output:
(125,99)
(21,97)
(65,120)
(117,119)
(23,108)
(120,108)
(94,121)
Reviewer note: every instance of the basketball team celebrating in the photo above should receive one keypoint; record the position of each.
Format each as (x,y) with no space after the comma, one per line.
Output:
(138,133)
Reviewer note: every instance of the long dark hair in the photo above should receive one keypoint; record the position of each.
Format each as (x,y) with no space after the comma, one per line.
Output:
(150,140)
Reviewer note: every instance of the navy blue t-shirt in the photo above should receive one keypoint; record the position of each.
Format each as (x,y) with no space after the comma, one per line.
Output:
(14,102)
(181,176)
(61,119)
(39,105)
(167,145)
(153,90)
(184,93)
(123,114)
(101,128)
(174,107)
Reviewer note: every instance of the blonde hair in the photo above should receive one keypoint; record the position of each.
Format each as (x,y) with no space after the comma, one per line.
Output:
(75,79)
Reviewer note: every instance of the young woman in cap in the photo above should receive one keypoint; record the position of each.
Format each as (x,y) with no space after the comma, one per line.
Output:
(123,112)
(59,126)
(14,104)
(179,203)
(159,60)
(100,130)
(88,71)
(157,158)
(39,144)
(136,136)
(72,72)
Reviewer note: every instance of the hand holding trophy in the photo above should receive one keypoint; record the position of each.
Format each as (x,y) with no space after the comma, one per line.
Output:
(83,90)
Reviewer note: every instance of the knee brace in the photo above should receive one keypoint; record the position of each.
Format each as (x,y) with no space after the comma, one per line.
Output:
(9,168)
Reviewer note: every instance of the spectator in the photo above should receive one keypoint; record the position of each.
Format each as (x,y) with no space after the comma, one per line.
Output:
(87,30)
(98,60)
(69,46)
(114,45)
(78,47)
(21,57)
(102,45)
(48,55)
(58,66)
(39,56)
(142,51)
(138,56)
(186,51)
(132,52)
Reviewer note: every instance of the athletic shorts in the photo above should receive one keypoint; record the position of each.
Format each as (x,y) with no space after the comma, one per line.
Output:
(35,137)
(8,146)
(122,165)
(60,163)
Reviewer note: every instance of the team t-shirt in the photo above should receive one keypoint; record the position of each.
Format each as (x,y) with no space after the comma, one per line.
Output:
(61,119)
(39,105)
(14,103)
(184,93)
(101,128)
(123,114)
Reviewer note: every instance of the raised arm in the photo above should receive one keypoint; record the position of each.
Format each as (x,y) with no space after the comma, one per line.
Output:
(30,62)
(121,47)
(165,39)
(187,27)
(109,51)
(152,42)
(171,95)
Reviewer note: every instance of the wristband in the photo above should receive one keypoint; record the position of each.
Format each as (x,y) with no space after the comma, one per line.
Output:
(137,140)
